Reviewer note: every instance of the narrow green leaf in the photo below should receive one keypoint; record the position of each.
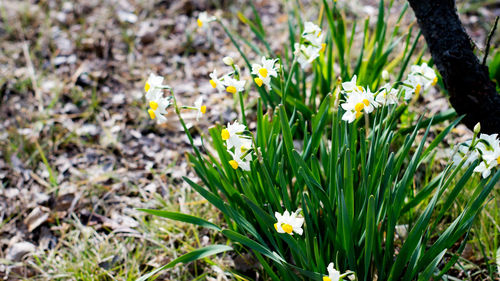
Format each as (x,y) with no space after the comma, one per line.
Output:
(182,217)
(189,257)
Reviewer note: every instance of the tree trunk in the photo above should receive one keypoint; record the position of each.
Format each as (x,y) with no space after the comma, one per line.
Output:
(471,91)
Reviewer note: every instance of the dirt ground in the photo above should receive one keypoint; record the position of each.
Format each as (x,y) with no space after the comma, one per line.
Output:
(78,153)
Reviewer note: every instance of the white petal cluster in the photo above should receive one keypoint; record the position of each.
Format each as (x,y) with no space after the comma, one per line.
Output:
(233,85)
(199,107)
(264,71)
(203,20)
(387,95)
(334,274)
(289,223)
(216,82)
(421,78)
(158,104)
(310,46)
(486,148)
(229,82)
(237,145)
(358,101)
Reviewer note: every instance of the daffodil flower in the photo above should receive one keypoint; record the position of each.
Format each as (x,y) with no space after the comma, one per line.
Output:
(490,154)
(201,109)
(387,95)
(232,134)
(203,20)
(158,108)
(411,85)
(289,223)
(310,45)
(464,150)
(312,33)
(240,160)
(216,82)
(153,87)
(232,85)
(425,74)
(333,274)
(351,86)
(358,102)
(306,54)
(264,72)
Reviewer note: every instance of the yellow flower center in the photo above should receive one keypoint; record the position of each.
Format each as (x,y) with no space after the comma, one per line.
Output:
(359,106)
(263,72)
(153,105)
(360,88)
(498,160)
(225,134)
(258,81)
(434,81)
(200,23)
(326,278)
(358,114)
(366,102)
(203,109)
(323,47)
(231,89)
(152,114)
(276,226)
(233,164)
(146,87)
(418,89)
(212,82)
(287,228)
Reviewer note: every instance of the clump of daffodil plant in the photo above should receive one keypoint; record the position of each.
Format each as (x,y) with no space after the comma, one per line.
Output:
(328,176)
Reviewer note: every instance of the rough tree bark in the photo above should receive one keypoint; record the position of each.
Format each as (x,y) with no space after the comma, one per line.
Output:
(471,91)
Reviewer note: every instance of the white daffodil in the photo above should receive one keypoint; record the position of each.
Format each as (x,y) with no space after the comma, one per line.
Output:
(312,33)
(264,72)
(411,85)
(333,274)
(200,108)
(306,54)
(490,154)
(239,161)
(484,168)
(289,223)
(387,95)
(465,151)
(351,86)
(158,108)
(232,134)
(232,85)
(358,102)
(216,82)
(310,46)
(153,87)
(203,20)
(425,74)
(488,142)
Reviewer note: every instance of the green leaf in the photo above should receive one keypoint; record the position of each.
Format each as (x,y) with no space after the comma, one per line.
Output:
(236,237)
(189,257)
(429,270)
(182,217)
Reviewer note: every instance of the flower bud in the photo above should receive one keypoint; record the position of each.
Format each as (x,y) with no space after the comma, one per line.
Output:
(477,128)
(385,75)
(228,61)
